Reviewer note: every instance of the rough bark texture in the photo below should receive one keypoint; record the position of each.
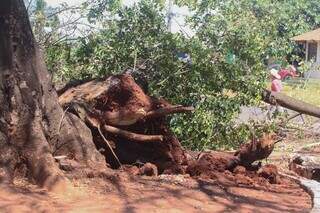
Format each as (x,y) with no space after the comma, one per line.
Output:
(33,126)
(290,103)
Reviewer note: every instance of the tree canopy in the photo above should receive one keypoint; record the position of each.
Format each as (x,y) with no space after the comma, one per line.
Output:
(227,55)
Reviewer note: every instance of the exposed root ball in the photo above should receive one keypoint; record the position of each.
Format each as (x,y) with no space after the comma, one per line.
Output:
(212,161)
(137,124)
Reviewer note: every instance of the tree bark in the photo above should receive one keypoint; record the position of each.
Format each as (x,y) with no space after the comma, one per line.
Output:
(290,103)
(31,125)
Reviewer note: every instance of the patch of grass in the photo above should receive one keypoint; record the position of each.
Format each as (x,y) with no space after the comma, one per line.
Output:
(309,93)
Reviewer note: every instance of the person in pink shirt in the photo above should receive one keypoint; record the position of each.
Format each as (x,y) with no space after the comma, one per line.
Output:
(276,85)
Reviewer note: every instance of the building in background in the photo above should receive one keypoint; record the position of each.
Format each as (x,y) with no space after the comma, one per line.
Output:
(311,42)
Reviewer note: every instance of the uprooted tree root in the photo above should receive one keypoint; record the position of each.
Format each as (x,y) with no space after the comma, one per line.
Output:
(130,127)
(132,123)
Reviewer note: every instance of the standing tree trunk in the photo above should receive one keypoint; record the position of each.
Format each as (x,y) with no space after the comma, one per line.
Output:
(33,126)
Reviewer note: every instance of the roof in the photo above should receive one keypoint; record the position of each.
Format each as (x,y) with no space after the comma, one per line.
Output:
(308,36)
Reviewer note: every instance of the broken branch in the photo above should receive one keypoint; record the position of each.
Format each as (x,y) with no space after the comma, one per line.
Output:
(168,110)
(132,136)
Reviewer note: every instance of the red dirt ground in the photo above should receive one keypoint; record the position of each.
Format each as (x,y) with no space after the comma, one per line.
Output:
(117,191)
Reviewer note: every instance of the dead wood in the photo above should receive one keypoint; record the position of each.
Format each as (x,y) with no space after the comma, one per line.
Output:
(290,103)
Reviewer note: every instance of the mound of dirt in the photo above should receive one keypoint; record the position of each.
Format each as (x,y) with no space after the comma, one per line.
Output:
(217,165)
(269,172)
(211,162)
(147,169)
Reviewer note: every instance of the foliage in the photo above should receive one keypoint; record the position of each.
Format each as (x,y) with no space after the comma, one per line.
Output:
(226,70)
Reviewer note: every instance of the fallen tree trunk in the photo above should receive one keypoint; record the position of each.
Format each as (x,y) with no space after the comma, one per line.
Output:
(290,103)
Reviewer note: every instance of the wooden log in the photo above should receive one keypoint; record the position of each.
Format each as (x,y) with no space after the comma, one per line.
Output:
(290,103)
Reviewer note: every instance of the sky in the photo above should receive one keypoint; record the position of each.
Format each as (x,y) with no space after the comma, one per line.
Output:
(77,2)
(57,2)
(178,22)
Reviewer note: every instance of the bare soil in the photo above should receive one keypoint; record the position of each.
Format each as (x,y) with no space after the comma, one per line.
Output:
(121,191)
